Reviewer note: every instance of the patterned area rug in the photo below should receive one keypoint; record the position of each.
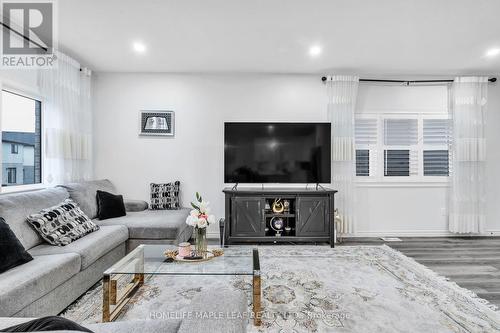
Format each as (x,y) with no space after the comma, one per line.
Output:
(318,289)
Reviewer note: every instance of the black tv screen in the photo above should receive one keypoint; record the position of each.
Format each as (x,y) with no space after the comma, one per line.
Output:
(277,152)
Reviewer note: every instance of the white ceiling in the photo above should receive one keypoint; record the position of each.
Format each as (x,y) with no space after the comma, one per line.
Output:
(388,37)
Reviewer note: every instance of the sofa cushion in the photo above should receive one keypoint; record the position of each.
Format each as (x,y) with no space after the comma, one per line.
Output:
(15,207)
(152,224)
(12,253)
(25,284)
(91,247)
(62,224)
(84,194)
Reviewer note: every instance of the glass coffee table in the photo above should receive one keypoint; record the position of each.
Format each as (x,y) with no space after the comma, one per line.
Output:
(150,260)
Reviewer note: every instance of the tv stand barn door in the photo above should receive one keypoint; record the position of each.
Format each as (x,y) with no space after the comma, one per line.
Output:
(312,216)
(250,218)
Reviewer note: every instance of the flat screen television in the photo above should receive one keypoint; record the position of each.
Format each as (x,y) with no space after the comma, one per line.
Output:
(277,152)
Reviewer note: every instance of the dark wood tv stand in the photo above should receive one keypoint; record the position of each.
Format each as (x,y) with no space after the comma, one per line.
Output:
(248,215)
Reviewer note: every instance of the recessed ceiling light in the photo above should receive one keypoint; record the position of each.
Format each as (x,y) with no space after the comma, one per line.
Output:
(315,51)
(139,47)
(493,52)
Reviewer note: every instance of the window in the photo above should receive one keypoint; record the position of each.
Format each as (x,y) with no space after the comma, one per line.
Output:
(396,163)
(366,147)
(400,147)
(363,162)
(395,147)
(436,133)
(11,175)
(436,163)
(21,144)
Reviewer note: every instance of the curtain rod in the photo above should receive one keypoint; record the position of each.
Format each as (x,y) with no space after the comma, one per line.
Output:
(493,79)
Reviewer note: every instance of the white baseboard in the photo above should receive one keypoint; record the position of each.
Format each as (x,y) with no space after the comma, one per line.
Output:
(417,233)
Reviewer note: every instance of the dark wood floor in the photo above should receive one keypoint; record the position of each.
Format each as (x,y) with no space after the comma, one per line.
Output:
(473,263)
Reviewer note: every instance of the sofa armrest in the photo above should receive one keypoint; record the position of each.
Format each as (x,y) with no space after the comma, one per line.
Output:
(135,205)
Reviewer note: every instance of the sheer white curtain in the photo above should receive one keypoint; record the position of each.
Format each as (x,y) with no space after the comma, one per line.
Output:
(67,121)
(467,192)
(342,94)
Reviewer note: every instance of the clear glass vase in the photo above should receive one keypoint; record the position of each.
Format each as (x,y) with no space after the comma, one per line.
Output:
(201,242)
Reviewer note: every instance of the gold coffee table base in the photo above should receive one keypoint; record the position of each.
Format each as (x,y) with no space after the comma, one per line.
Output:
(110,294)
(257,306)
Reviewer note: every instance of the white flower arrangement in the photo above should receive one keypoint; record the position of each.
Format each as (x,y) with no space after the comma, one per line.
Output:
(200,216)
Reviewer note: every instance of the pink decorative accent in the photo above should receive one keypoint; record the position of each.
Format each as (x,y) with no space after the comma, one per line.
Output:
(184,249)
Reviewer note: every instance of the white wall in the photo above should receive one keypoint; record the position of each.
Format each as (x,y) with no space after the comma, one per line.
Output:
(20,79)
(195,156)
(201,103)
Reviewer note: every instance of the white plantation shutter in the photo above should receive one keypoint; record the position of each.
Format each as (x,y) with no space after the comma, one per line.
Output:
(363,162)
(400,162)
(436,132)
(405,145)
(366,136)
(436,139)
(413,162)
(400,132)
(366,132)
(436,162)
(400,154)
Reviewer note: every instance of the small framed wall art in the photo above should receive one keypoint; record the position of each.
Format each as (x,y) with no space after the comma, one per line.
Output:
(157,123)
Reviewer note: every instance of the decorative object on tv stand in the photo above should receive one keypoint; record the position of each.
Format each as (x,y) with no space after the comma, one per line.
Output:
(286,205)
(200,219)
(278,206)
(277,225)
(157,122)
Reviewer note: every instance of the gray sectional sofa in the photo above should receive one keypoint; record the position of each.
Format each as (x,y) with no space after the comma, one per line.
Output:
(59,275)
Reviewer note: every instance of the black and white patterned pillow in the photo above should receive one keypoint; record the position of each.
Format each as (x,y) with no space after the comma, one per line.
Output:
(62,224)
(165,196)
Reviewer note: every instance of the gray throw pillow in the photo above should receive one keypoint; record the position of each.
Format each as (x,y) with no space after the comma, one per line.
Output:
(165,196)
(62,224)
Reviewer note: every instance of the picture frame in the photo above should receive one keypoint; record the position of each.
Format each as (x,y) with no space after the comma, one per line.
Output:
(157,123)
